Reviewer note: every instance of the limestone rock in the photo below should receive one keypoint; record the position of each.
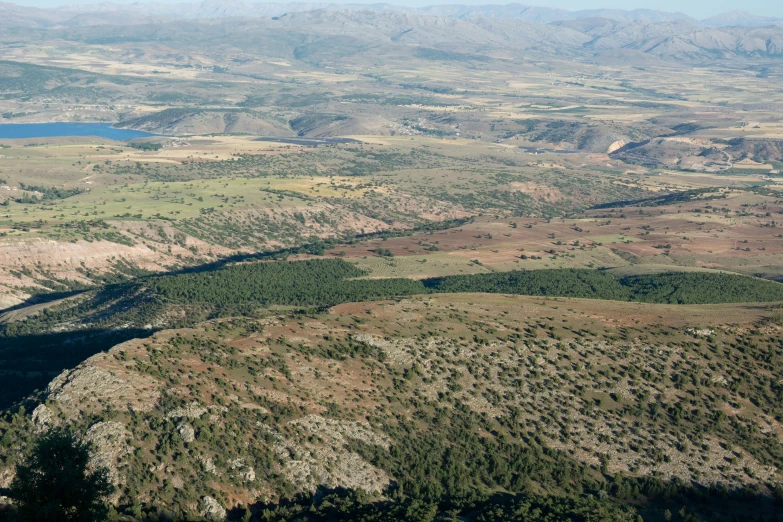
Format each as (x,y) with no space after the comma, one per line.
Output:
(89,383)
(191,411)
(110,445)
(211,509)
(207,463)
(6,477)
(43,418)
(244,471)
(330,464)
(187,432)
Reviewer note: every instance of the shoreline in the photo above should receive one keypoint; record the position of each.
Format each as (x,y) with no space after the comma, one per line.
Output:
(104,126)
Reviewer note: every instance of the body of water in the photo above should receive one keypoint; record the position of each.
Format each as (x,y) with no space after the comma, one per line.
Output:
(10,131)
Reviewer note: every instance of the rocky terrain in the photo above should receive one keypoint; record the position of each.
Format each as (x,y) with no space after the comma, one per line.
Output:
(386,263)
(235,412)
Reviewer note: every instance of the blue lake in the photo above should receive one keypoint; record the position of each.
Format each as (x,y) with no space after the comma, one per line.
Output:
(10,131)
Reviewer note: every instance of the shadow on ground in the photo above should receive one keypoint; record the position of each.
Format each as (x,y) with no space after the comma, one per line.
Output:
(29,362)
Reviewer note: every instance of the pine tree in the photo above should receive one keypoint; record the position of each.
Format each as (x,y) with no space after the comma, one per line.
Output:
(55,483)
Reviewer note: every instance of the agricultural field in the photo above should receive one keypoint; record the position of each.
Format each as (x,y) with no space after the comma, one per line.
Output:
(413,265)
(523,214)
(164,212)
(729,229)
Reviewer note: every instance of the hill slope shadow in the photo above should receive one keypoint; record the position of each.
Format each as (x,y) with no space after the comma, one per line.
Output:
(29,362)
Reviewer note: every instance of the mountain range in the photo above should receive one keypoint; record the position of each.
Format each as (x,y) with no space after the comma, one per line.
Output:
(108,12)
(308,31)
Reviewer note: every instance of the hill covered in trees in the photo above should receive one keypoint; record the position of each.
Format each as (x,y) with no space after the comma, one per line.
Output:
(480,407)
(35,349)
(245,287)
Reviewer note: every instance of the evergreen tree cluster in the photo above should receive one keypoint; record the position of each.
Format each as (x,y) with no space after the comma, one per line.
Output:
(326,282)
(303,283)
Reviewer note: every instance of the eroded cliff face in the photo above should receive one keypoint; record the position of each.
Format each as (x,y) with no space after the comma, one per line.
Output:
(40,264)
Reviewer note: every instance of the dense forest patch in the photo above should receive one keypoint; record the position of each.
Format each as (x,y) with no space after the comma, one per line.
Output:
(328,282)
(664,288)
(239,289)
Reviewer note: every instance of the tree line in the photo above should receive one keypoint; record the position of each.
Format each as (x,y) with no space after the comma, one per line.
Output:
(327,282)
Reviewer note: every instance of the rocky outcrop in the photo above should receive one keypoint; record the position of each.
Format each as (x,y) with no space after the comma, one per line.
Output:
(207,464)
(211,509)
(91,381)
(191,411)
(242,470)
(110,444)
(310,465)
(43,417)
(187,432)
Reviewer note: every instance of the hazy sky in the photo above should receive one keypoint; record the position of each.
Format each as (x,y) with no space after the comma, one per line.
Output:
(695,8)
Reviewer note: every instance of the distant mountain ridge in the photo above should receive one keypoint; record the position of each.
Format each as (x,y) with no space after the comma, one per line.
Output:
(230,8)
(329,33)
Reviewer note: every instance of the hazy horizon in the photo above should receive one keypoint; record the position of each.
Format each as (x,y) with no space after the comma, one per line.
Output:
(699,9)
